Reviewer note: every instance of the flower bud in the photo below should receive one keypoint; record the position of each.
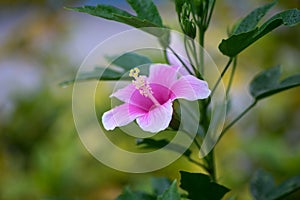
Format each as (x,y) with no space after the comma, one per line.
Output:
(189,28)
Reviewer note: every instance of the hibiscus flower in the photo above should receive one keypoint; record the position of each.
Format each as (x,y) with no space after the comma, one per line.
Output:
(148,100)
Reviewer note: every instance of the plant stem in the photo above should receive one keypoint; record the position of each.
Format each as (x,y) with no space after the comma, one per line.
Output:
(188,47)
(221,76)
(195,52)
(201,41)
(198,163)
(210,160)
(237,118)
(166,56)
(210,13)
(231,76)
(182,62)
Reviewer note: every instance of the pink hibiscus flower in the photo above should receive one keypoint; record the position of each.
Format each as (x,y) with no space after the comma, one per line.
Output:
(148,100)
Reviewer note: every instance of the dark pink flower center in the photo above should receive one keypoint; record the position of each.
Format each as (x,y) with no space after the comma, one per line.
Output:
(161,93)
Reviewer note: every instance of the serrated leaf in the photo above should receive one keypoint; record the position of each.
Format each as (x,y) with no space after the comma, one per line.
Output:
(261,183)
(116,14)
(238,42)
(148,143)
(135,195)
(200,187)
(251,20)
(284,189)
(160,184)
(146,9)
(129,60)
(267,83)
(171,193)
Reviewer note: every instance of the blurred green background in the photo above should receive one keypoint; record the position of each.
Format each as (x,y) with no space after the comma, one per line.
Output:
(41,156)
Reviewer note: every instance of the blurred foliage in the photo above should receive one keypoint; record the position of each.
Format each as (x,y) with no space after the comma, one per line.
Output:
(41,156)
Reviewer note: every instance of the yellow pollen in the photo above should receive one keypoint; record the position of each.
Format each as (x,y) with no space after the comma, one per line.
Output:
(134,72)
(141,84)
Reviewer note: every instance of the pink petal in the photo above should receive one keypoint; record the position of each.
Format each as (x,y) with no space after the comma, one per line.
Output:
(131,95)
(162,74)
(161,93)
(190,88)
(141,101)
(125,93)
(120,116)
(157,119)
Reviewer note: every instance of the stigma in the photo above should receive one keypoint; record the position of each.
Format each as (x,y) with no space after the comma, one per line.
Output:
(142,85)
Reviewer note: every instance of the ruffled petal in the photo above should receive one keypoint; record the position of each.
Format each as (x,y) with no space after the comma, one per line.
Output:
(190,88)
(121,116)
(162,74)
(157,119)
(125,93)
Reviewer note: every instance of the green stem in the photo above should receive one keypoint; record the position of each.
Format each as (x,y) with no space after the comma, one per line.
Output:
(210,160)
(210,13)
(166,56)
(187,47)
(201,41)
(198,163)
(197,143)
(237,118)
(178,57)
(231,76)
(195,53)
(221,76)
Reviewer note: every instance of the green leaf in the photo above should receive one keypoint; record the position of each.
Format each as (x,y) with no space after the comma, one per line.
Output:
(267,83)
(135,195)
(145,25)
(126,61)
(284,189)
(200,187)
(261,183)
(129,60)
(147,16)
(262,186)
(103,11)
(99,73)
(171,193)
(148,143)
(238,42)
(160,184)
(144,19)
(178,5)
(135,21)
(251,20)
(146,9)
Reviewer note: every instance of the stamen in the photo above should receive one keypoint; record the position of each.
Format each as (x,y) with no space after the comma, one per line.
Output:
(142,85)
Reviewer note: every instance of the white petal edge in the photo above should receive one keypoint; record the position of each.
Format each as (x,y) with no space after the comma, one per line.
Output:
(162,74)
(120,116)
(190,88)
(125,93)
(157,119)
